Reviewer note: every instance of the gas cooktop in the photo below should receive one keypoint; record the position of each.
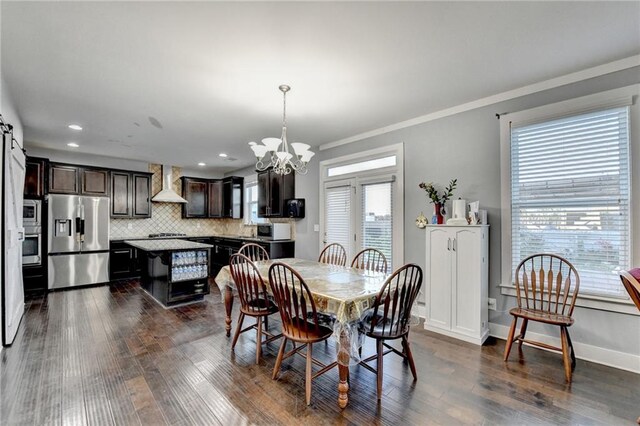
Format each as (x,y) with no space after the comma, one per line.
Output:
(167,235)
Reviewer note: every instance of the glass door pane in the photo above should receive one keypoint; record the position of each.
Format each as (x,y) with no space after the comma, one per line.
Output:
(338,217)
(377,218)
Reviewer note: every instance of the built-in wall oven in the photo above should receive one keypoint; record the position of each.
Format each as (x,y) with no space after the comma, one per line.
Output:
(32,223)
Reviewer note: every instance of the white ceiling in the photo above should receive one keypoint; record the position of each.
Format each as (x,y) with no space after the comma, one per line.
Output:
(209,72)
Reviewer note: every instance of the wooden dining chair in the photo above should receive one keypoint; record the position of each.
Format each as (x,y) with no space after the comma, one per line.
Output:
(546,290)
(254,300)
(632,285)
(299,320)
(255,252)
(390,316)
(370,259)
(333,254)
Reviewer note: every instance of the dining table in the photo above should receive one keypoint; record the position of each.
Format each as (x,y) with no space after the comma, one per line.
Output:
(338,291)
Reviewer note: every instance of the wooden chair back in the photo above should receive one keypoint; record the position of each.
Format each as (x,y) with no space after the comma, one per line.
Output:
(333,254)
(548,283)
(370,259)
(252,290)
(631,284)
(395,300)
(254,251)
(295,302)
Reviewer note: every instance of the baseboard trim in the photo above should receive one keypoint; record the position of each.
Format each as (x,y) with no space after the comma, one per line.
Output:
(470,339)
(599,355)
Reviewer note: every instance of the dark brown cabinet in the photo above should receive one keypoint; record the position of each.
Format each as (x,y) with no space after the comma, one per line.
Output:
(273,191)
(70,179)
(195,191)
(124,261)
(94,182)
(130,194)
(63,179)
(34,177)
(213,198)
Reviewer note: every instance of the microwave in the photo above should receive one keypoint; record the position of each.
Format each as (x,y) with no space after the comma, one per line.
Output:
(32,213)
(274,231)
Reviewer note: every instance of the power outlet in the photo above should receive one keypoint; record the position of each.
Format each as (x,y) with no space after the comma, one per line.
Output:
(129,226)
(316,228)
(492,304)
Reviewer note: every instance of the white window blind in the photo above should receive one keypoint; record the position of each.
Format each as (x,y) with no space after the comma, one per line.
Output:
(570,195)
(377,218)
(338,216)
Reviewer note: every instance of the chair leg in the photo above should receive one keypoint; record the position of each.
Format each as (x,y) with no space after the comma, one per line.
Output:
(523,330)
(238,329)
(309,371)
(380,350)
(512,331)
(566,359)
(258,340)
(407,351)
(573,355)
(276,368)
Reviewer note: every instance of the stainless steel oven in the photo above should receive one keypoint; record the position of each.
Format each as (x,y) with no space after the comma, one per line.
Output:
(32,246)
(31,213)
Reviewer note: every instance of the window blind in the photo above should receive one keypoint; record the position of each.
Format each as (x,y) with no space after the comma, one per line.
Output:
(338,216)
(377,218)
(570,195)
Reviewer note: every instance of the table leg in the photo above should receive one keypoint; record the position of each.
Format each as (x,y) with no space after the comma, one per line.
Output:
(228,306)
(343,368)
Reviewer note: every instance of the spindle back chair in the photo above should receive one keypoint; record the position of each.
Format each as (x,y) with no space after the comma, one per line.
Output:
(547,287)
(255,252)
(390,316)
(632,285)
(333,254)
(370,259)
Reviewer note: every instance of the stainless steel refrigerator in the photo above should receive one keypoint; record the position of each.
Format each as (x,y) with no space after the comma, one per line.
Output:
(78,240)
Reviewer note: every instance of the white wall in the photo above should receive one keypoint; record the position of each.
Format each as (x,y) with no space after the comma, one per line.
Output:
(466,146)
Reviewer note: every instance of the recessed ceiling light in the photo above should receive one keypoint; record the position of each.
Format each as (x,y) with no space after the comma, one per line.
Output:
(201,164)
(73,145)
(75,127)
(223,155)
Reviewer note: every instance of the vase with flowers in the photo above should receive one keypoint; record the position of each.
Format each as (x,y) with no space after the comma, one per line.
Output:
(439,200)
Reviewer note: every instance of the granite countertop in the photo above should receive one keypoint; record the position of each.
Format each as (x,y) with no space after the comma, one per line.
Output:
(230,237)
(166,244)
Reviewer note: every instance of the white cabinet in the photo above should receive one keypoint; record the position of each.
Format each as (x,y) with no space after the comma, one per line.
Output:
(456,281)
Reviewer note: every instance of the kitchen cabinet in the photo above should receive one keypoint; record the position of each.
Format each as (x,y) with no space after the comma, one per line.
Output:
(215,198)
(212,198)
(130,194)
(78,180)
(195,191)
(63,179)
(124,261)
(34,177)
(223,248)
(273,191)
(232,197)
(456,281)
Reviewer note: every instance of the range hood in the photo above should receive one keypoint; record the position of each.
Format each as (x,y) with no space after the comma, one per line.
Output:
(167,195)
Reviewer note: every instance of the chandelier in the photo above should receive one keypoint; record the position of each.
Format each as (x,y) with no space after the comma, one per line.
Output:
(275,152)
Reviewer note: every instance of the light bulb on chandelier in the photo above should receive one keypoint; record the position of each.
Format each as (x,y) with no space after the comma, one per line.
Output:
(275,152)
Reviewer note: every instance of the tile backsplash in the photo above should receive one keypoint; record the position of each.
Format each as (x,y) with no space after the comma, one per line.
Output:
(167,217)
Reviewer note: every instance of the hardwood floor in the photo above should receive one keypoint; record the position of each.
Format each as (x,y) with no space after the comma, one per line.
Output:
(111,355)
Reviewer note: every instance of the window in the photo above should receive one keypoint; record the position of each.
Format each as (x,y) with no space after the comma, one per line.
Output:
(361,202)
(251,202)
(570,193)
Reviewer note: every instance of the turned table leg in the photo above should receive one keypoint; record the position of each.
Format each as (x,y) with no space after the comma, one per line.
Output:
(228,306)
(343,368)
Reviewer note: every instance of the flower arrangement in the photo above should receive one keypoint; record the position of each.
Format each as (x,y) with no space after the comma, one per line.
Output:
(433,194)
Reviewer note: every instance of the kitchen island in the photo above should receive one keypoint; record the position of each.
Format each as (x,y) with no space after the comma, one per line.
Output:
(174,271)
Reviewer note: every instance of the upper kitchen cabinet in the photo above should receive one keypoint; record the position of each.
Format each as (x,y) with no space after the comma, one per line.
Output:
(195,191)
(232,196)
(215,198)
(273,191)
(69,179)
(35,171)
(130,194)
(63,179)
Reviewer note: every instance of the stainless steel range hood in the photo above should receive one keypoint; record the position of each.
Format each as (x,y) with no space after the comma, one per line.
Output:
(167,195)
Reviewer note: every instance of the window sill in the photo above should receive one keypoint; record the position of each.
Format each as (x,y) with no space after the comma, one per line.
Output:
(622,306)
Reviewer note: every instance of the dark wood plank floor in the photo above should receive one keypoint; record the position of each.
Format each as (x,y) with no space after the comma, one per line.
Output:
(111,355)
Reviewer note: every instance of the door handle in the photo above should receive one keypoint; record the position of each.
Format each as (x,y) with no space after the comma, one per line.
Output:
(454,244)
(449,244)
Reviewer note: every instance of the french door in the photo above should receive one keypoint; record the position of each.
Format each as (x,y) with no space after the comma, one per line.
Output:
(359,213)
